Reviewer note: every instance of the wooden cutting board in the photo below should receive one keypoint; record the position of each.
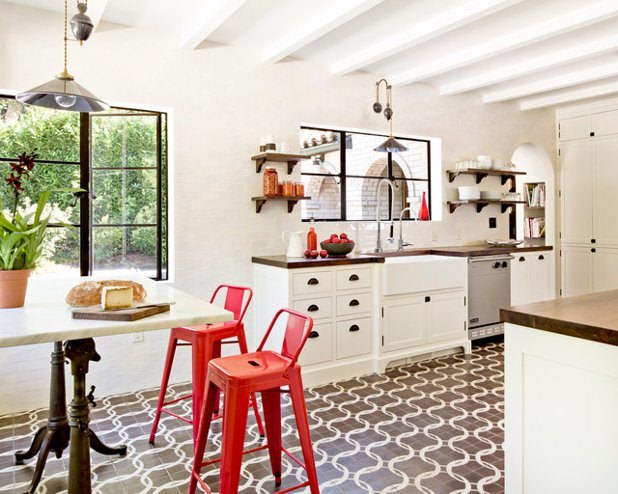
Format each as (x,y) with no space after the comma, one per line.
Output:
(119,315)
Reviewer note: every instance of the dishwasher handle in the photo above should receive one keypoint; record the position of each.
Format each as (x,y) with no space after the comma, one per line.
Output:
(490,258)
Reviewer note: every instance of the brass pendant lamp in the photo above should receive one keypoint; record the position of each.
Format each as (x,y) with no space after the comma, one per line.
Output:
(63,93)
(391,145)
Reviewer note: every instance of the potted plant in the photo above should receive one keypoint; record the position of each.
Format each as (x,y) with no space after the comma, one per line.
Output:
(21,235)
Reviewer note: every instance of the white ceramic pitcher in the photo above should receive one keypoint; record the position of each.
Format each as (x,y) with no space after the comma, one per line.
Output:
(294,242)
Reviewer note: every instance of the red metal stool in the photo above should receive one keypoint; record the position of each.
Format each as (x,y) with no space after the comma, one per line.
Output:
(205,341)
(238,377)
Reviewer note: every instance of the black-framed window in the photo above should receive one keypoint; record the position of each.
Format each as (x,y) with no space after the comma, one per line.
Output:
(120,158)
(343,173)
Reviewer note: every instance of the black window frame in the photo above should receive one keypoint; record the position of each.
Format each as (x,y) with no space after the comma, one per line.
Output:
(85,224)
(342,175)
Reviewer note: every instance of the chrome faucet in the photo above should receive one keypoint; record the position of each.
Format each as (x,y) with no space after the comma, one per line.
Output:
(391,238)
(403,244)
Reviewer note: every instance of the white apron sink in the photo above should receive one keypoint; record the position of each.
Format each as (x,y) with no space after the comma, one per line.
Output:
(412,274)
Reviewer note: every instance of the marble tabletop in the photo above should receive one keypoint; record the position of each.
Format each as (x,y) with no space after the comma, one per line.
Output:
(46,317)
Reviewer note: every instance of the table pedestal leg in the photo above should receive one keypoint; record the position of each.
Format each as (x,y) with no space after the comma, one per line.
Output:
(56,434)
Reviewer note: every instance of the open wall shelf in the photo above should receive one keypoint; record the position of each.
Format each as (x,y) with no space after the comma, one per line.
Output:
(269,156)
(480,204)
(292,201)
(480,174)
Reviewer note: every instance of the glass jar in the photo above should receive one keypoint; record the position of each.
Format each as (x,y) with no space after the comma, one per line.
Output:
(288,188)
(299,189)
(270,182)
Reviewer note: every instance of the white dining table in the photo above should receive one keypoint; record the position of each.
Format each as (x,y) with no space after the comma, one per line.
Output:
(46,318)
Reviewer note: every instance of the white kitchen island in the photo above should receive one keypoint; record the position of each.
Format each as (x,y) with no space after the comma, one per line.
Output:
(561,396)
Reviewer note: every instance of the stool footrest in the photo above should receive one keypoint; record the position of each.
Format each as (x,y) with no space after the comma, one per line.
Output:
(179,417)
(185,397)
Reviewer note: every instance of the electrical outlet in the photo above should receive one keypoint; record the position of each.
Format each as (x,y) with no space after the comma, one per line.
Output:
(138,337)
(492,223)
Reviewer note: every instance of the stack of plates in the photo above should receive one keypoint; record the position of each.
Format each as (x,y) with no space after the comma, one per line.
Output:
(504,243)
(469,193)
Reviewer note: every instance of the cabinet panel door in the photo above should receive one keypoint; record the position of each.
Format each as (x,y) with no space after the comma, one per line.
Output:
(577,191)
(541,273)
(520,280)
(446,317)
(605,269)
(403,323)
(576,271)
(605,123)
(353,337)
(319,346)
(575,128)
(605,197)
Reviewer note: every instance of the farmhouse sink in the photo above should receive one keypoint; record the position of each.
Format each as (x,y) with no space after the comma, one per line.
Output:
(412,274)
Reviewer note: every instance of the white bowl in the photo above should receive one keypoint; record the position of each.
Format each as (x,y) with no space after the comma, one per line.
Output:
(469,193)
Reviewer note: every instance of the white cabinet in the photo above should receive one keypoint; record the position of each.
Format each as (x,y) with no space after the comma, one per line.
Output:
(575,128)
(577,276)
(605,191)
(577,191)
(532,277)
(605,123)
(403,322)
(605,269)
(446,315)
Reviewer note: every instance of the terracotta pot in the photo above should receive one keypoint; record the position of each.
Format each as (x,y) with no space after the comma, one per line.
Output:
(13,285)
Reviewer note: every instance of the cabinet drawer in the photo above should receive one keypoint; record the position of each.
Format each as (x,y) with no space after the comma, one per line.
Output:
(313,282)
(349,279)
(353,337)
(317,307)
(353,304)
(319,346)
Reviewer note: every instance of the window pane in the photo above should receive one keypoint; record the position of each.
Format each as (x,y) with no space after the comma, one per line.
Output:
(125,248)
(124,141)
(52,134)
(412,163)
(62,205)
(362,160)
(124,196)
(409,193)
(324,149)
(362,201)
(61,251)
(325,193)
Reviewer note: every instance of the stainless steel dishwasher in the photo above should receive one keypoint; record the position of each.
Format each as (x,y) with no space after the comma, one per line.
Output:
(489,290)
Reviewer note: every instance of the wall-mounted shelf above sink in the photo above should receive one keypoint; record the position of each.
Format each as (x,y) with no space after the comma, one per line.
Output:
(291,159)
(480,204)
(480,174)
(291,200)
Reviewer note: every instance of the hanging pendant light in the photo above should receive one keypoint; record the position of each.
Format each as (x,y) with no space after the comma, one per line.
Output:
(63,93)
(391,145)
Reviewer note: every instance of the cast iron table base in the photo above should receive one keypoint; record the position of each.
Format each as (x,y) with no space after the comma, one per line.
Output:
(62,432)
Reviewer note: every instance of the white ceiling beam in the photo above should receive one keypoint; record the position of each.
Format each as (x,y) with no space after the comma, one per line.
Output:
(512,40)
(449,20)
(95,11)
(213,15)
(547,60)
(567,97)
(561,81)
(337,14)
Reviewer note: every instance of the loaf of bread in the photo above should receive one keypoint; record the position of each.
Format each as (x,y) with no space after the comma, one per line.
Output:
(89,293)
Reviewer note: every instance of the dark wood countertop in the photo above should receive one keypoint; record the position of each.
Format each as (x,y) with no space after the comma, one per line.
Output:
(289,263)
(458,251)
(591,317)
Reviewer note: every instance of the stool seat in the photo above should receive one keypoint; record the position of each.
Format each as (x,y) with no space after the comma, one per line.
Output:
(254,369)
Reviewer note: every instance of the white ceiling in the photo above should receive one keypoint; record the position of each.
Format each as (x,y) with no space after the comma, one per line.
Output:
(541,53)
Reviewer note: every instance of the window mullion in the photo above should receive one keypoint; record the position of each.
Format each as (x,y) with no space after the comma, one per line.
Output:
(85,232)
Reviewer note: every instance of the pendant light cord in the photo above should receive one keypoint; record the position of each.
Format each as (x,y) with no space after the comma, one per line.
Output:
(66,9)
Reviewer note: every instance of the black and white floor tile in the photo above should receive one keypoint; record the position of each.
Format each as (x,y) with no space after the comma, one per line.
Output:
(433,427)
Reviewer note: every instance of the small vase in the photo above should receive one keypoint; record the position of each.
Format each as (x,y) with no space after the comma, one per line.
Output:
(13,285)
(423,214)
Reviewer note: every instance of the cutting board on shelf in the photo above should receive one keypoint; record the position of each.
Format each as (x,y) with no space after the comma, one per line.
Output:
(133,314)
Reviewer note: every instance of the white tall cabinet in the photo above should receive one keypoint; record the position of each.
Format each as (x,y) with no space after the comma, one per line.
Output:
(589,203)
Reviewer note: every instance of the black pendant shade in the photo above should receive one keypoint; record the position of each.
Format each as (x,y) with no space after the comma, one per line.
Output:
(63,94)
(391,145)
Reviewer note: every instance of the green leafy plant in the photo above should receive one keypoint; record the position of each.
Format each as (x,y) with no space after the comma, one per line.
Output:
(22,235)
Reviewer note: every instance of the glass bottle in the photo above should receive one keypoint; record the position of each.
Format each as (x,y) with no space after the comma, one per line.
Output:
(271,182)
(423,214)
(312,237)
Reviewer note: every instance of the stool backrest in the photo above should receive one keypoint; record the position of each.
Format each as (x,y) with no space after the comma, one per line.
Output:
(234,297)
(297,331)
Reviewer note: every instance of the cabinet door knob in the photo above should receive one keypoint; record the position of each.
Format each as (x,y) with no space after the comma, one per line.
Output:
(354,328)
(314,334)
(593,250)
(522,259)
(313,308)
(313,281)
(541,257)
(427,299)
(354,302)
(593,240)
(354,277)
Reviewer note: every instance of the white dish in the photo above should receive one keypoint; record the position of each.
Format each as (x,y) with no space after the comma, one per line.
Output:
(504,243)
(469,193)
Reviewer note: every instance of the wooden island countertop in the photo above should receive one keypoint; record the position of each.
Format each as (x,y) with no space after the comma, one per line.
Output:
(591,317)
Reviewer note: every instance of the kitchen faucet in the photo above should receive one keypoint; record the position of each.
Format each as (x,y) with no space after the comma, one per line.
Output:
(403,244)
(391,238)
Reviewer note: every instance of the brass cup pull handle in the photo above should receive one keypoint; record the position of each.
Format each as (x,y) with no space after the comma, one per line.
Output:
(354,328)
(354,302)
(313,281)
(313,308)
(354,277)
(314,334)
